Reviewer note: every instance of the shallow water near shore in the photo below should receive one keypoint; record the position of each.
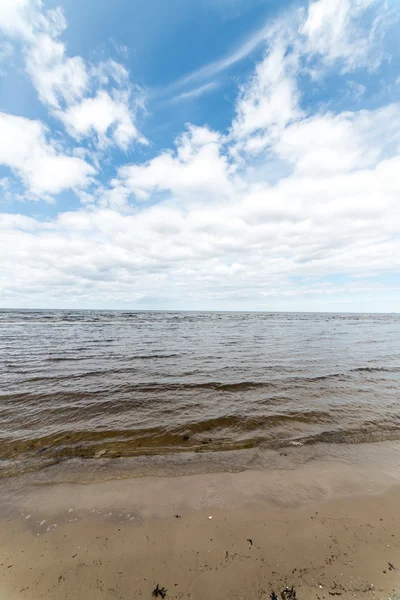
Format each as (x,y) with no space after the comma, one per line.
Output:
(87,385)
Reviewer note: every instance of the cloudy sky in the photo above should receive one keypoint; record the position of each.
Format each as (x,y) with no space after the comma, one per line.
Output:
(208,154)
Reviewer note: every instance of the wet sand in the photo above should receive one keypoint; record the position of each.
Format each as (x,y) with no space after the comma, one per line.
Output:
(327,528)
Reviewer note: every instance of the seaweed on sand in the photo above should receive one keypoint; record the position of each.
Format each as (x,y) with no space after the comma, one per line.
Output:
(159,592)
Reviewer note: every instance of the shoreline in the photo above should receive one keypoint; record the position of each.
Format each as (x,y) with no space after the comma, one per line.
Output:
(328,528)
(103,468)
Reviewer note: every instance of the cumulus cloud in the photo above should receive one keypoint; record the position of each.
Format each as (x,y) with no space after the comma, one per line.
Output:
(338,33)
(340,143)
(198,169)
(270,101)
(306,225)
(58,79)
(18,18)
(105,117)
(69,86)
(42,165)
(334,29)
(254,245)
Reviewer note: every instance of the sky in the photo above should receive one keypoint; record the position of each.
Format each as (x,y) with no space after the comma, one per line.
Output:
(204,155)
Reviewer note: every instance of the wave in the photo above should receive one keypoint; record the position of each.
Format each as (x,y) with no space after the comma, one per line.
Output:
(393,369)
(358,435)
(234,423)
(283,383)
(217,433)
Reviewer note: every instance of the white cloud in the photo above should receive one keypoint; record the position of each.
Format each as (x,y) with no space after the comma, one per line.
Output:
(307,43)
(57,78)
(334,29)
(25,21)
(44,168)
(340,143)
(109,70)
(107,118)
(198,169)
(18,17)
(270,101)
(356,90)
(6,51)
(205,253)
(197,92)
(247,245)
(90,99)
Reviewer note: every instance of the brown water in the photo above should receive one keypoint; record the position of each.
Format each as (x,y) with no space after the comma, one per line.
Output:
(86,384)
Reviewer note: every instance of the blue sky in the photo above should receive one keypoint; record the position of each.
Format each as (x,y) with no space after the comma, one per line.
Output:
(219,154)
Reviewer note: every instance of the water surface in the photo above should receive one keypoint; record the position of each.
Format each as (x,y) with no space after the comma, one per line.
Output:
(125,384)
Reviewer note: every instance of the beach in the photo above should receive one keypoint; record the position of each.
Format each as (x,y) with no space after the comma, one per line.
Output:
(326,527)
(199,455)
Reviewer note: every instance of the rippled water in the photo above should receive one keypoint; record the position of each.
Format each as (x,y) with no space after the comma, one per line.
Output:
(111,384)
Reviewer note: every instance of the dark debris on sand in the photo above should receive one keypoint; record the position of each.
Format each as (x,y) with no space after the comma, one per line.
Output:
(159,592)
(289,593)
(286,594)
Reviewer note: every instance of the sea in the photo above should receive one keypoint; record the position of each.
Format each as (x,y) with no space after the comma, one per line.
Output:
(88,385)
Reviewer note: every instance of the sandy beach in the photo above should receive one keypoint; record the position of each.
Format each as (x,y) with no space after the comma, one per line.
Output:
(326,528)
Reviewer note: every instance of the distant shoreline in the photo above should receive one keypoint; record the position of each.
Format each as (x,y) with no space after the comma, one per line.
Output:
(195,310)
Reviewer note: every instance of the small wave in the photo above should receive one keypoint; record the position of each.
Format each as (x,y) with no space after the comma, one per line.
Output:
(91,357)
(360,435)
(86,374)
(206,385)
(216,433)
(150,356)
(394,369)
(57,359)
